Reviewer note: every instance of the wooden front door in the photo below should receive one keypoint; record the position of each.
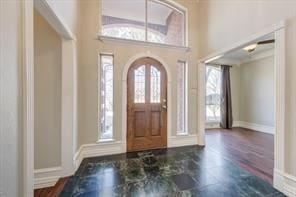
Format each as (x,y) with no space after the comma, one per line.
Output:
(147,105)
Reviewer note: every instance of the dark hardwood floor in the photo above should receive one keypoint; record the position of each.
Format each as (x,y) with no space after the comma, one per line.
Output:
(251,150)
(51,191)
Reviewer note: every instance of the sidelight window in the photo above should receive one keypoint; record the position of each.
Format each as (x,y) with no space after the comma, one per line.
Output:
(106,97)
(181,97)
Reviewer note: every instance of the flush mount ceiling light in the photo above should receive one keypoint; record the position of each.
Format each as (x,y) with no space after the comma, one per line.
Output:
(252,47)
(213,58)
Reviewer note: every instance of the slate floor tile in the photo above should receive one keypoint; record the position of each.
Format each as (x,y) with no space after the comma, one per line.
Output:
(184,171)
(183,181)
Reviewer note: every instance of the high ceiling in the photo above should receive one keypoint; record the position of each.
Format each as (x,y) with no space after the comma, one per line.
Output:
(135,10)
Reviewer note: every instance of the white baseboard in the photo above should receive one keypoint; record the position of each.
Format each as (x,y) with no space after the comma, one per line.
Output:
(46,177)
(285,183)
(257,127)
(182,140)
(98,149)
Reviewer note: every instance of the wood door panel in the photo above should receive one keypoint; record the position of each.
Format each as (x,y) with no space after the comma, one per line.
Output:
(155,123)
(139,124)
(146,126)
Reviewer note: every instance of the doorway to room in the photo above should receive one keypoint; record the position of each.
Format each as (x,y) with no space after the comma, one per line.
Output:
(240,106)
(146,105)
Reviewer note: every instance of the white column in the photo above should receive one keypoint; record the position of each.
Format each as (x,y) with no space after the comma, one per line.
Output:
(280,80)
(69,106)
(201,104)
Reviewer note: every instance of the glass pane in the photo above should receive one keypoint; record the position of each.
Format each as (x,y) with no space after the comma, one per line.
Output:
(106,99)
(181,97)
(154,85)
(165,24)
(139,90)
(213,85)
(124,19)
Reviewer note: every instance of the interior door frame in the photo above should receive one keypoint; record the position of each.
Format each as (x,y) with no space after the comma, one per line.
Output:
(279,31)
(124,95)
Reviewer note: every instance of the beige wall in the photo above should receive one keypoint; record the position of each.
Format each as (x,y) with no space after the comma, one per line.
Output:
(89,49)
(47,60)
(236,20)
(257,92)
(235,92)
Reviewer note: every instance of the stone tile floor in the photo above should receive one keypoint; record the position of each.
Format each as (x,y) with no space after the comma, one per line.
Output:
(185,171)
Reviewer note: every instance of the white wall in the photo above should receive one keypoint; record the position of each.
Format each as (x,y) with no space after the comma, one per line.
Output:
(47,60)
(68,11)
(10,99)
(257,92)
(236,20)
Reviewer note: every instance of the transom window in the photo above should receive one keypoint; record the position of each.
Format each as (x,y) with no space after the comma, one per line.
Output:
(143,20)
(213,91)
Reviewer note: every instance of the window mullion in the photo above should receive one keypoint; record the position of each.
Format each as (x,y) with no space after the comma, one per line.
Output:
(146,20)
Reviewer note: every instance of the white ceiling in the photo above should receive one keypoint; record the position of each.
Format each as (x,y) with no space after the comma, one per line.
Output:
(135,10)
(239,56)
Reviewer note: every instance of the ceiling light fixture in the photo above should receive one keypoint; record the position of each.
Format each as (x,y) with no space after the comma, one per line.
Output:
(213,58)
(251,47)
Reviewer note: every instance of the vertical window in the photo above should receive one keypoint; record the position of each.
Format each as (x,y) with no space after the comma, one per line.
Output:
(155,85)
(139,89)
(181,97)
(106,97)
(213,85)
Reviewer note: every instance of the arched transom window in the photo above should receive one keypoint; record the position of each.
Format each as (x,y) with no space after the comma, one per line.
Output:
(143,20)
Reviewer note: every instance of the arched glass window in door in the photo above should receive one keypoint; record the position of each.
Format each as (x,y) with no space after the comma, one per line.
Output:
(154,85)
(139,88)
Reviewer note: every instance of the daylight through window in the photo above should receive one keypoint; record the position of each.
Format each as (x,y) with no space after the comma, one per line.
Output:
(106,97)
(181,97)
(143,20)
(213,85)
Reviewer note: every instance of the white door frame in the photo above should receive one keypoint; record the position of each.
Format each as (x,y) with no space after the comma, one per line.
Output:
(69,83)
(279,149)
(28,99)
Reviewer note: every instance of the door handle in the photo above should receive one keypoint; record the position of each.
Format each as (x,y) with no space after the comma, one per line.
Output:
(164,107)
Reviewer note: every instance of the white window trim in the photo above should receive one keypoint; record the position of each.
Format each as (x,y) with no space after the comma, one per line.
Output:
(170,3)
(100,140)
(108,39)
(185,132)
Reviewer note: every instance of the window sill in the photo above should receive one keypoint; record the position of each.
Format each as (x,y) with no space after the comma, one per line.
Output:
(213,122)
(138,42)
(181,134)
(105,140)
